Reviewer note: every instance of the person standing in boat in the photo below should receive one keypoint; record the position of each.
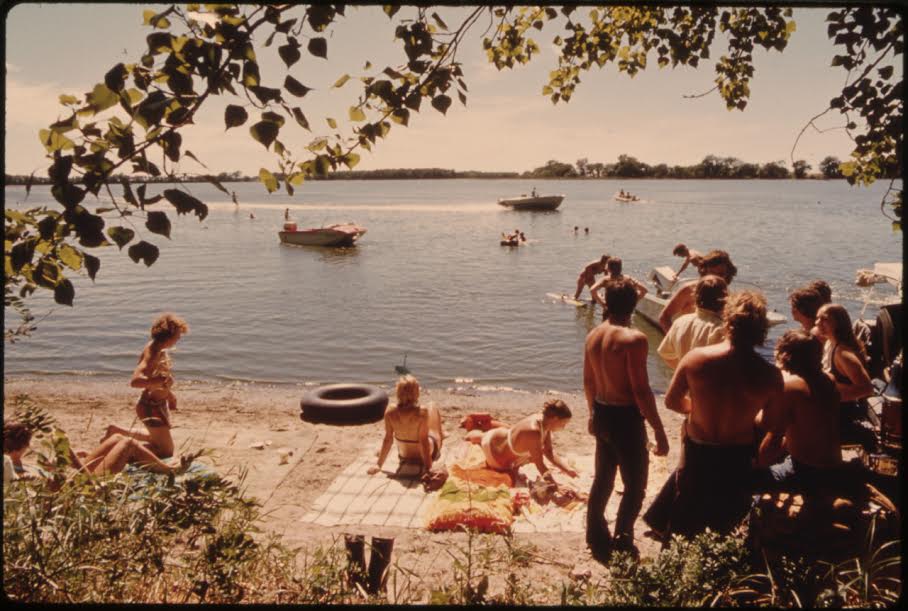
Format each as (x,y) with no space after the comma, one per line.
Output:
(416,429)
(588,275)
(690,257)
(619,398)
(716,262)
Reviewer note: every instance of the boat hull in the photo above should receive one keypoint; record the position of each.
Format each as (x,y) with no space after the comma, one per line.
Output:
(650,307)
(547,202)
(335,235)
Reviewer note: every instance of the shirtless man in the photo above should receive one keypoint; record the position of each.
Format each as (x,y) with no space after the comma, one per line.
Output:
(690,256)
(587,277)
(805,302)
(721,389)
(806,417)
(715,262)
(619,398)
(613,272)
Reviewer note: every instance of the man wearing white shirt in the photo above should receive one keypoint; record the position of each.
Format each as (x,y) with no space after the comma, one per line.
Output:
(702,327)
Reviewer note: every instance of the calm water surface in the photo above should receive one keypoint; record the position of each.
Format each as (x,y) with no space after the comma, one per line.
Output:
(430,281)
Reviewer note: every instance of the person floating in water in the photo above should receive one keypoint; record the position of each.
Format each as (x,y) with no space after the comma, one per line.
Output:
(576,229)
(251,216)
(586,230)
(287,214)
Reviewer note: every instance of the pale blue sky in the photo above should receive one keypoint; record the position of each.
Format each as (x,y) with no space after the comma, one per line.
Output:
(507,124)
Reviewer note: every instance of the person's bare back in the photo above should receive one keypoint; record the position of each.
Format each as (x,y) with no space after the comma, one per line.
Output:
(812,431)
(607,349)
(728,388)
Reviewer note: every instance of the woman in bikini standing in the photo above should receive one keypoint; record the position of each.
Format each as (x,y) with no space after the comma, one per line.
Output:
(153,376)
(416,429)
(844,358)
(506,449)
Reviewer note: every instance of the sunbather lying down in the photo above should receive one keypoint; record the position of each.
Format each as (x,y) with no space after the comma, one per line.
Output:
(506,449)
(117,451)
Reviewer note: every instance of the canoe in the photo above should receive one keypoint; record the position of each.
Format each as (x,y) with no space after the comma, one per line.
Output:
(330,235)
(528,202)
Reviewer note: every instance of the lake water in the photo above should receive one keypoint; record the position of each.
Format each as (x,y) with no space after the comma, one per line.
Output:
(430,281)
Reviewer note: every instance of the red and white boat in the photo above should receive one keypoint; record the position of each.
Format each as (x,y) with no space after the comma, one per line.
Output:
(330,235)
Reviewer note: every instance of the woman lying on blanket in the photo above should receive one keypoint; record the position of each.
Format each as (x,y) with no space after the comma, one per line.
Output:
(153,376)
(417,429)
(529,440)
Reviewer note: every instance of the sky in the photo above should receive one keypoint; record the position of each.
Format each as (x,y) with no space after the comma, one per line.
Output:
(507,124)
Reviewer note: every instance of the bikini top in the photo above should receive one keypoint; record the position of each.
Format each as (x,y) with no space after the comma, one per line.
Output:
(839,377)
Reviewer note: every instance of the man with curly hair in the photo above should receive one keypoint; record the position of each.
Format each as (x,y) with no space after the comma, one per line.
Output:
(721,389)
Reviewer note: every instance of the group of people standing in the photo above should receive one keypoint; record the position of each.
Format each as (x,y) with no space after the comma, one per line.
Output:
(749,425)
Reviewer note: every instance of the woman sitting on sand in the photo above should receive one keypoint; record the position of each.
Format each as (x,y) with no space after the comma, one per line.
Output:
(506,449)
(844,358)
(417,429)
(153,376)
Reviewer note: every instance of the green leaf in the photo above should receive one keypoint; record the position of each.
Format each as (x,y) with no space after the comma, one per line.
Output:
(70,257)
(331,123)
(390,9)
(273,117)
(341,81)
(216,183)
(115,78)
(268,179)
(121,235)
(439,21)
(92,265)
(47,226)
(144,251)
(185,203)
(289,53)
(300,118)
(350,160)
(197,160)
(234,116)
(401,116)
(295,87)
(441,103)
(318,47)
(356,114)
(64,292)
(265,132)
(54,141)
(68,100)
(158,223)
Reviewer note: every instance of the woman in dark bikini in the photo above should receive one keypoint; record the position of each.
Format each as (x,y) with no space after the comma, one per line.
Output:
(844,358)
(153,376)
(416,429)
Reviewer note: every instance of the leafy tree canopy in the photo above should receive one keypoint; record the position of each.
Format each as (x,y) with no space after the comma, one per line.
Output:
(132,119)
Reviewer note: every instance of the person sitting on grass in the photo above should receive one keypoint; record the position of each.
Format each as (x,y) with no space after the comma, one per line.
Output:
(416,429)
(16,439)
(153,376)
(508,448)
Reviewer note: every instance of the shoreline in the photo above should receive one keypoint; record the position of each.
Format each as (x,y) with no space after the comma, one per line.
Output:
(229,419)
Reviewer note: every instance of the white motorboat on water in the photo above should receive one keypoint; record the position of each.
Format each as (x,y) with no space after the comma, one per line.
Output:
(330,235)
(532,202)
(652,304)
(626,197)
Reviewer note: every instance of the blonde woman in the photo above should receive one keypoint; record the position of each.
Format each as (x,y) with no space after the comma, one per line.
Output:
(416,429)
(153,376)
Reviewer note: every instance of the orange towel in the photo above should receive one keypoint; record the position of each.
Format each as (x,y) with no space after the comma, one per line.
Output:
(482,476)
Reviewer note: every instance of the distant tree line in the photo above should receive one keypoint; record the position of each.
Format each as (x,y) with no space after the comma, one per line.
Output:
(627,166)
(712,166)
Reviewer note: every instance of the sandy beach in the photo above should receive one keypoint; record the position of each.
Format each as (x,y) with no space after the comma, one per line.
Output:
(228,419)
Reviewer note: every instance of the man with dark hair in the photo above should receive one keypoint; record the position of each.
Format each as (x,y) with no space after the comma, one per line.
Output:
(721,389)
(16,439)
(715,262)
(619,398)
(804,305)
(823,288)
(613,270)
(702,327)
(806,417)
(588,275)
(690,255)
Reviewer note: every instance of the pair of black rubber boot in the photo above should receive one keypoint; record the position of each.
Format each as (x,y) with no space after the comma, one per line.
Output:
(372,579)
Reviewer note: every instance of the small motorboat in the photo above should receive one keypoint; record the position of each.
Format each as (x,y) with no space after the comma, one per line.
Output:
(330,235)
(627,198)
(532,202)
(651,305)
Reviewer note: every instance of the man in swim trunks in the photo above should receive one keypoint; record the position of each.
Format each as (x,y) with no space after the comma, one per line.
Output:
(587,277)
(613,269)
(716,262)
(721,389)
(619,399)
(807,418)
